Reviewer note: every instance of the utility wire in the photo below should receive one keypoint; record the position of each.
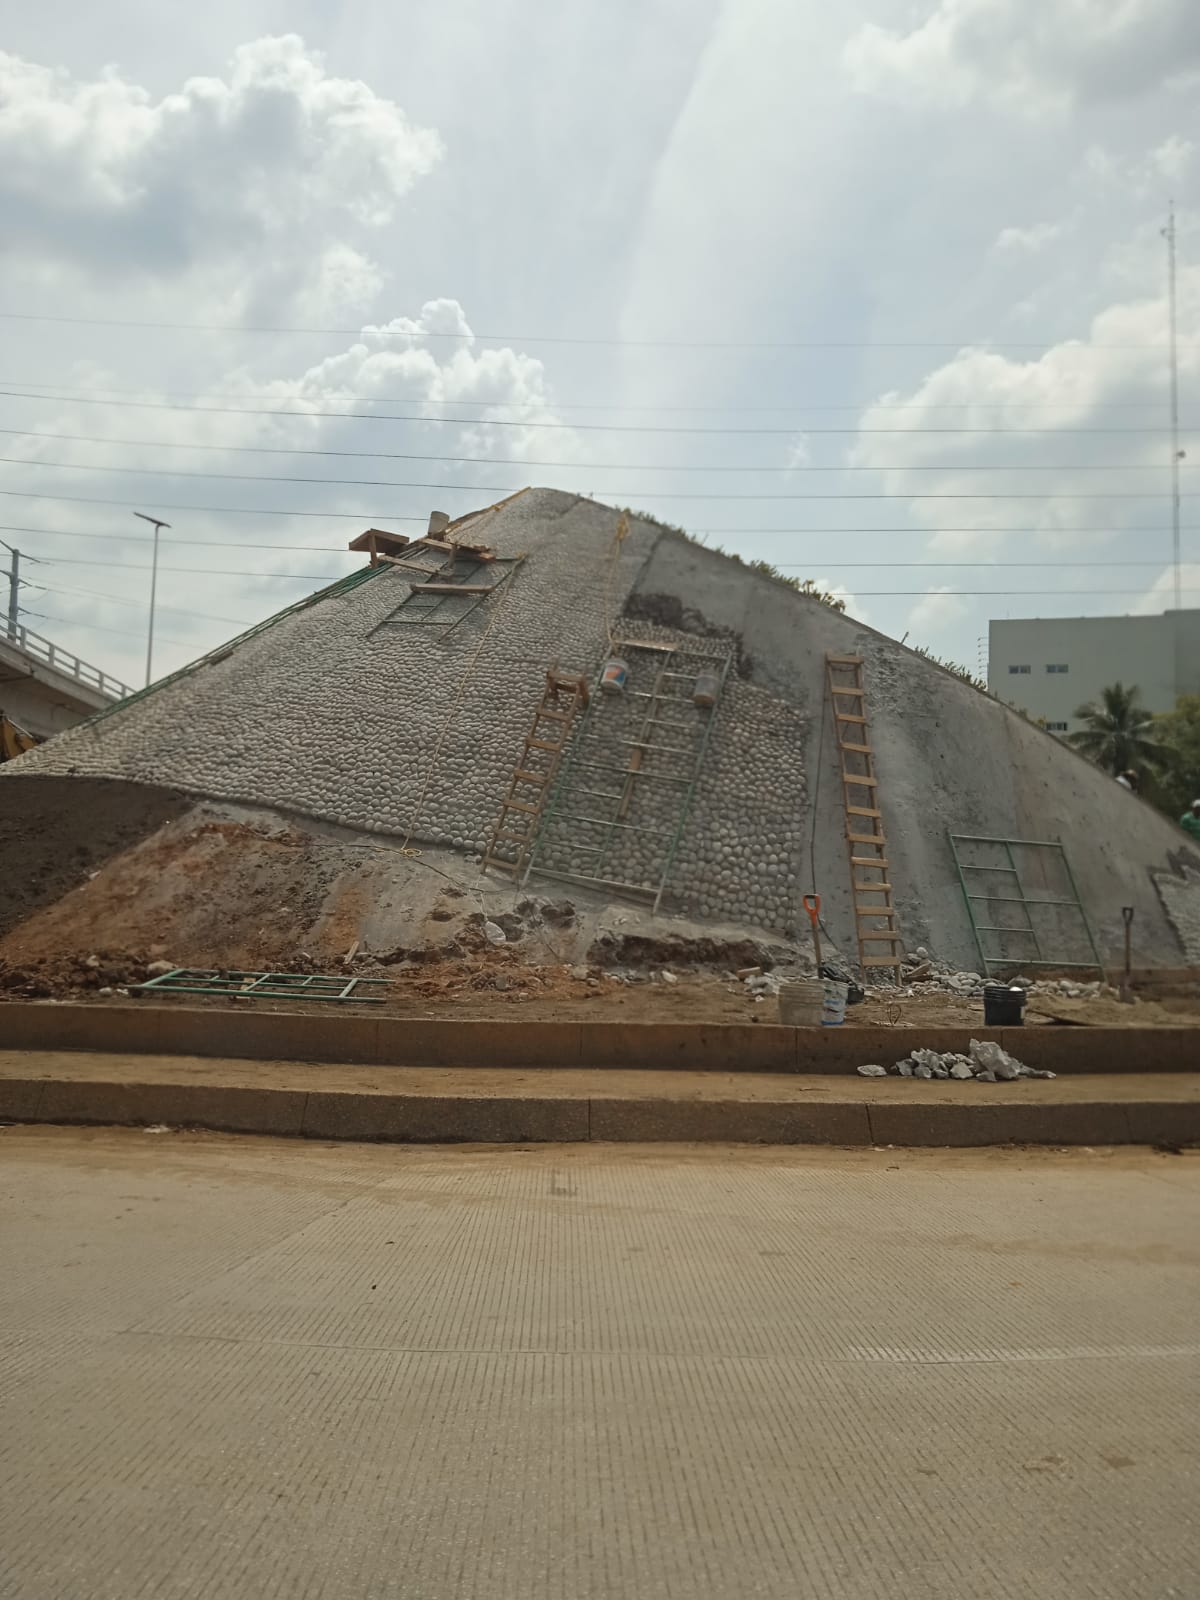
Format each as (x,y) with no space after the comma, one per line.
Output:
(417,335)
(563,427)
(811,533)
(508,489)
(503,461)
(587,405)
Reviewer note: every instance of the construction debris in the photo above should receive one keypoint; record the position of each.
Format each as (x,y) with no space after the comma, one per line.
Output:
(987,1062)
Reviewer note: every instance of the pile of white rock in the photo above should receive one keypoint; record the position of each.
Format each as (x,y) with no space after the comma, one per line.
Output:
(986,1061)
(922,974)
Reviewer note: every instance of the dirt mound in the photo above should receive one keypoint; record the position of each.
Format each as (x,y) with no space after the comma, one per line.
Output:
(55,832)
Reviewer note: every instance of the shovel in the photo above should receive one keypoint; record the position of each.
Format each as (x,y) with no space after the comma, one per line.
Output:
(1127,976)
(812,904)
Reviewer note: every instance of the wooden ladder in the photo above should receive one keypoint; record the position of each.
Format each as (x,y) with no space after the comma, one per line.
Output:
(565,694)
(879,942)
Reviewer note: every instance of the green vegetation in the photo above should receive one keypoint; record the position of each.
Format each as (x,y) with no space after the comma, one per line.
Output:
(1177,733)
(1119,734)
(955,667)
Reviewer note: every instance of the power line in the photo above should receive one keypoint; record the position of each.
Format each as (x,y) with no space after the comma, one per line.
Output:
(783,566)
(564,427)
(66,389)
(97,627)
(418,334)
(497,461)
(144,605)
(624,494)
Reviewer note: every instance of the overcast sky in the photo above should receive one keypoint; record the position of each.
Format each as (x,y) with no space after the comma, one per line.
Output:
(753,266)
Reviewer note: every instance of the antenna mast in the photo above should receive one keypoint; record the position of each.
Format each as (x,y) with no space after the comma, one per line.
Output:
(1169,235)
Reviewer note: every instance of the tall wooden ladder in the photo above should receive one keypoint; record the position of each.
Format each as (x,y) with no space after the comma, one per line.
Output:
(879,942)
(564,696)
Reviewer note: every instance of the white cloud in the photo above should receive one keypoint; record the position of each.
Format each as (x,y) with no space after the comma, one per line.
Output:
(937,609)
(1083,440)
(1028,241)
(1173,158)
(1160,596)
(99,177)
(1036,56)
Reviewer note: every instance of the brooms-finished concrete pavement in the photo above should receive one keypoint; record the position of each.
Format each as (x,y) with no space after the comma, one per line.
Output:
(254,1367)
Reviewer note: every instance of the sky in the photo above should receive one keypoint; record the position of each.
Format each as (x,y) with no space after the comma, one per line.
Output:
(876,292)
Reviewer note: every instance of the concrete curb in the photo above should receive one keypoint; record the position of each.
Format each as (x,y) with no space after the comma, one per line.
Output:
(525,1119)
(246,1034)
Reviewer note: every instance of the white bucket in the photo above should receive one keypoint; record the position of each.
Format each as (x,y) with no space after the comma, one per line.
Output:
(833,1008)
(801,1003)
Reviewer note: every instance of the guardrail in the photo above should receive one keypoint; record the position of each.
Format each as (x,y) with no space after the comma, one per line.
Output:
(66,662)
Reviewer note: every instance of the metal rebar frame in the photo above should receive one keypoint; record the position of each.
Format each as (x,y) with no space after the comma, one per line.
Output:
(567,790)
(960,845)
(262,985)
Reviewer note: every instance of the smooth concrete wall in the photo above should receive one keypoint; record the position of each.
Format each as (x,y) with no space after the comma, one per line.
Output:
(948,758)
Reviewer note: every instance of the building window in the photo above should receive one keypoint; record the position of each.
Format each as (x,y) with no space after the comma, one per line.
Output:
(1019,669)
(1059,666)
(1056,727)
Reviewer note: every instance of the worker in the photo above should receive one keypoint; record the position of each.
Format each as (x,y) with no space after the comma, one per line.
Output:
(1190,820)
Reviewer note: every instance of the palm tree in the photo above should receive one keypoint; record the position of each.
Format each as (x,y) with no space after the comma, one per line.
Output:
(1118,735)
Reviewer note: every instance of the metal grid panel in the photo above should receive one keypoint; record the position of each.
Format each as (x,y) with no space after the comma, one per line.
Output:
(1047,925)
(263,985)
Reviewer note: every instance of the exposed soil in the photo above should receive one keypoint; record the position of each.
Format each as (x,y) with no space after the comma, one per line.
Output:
(54,832)
(104,880)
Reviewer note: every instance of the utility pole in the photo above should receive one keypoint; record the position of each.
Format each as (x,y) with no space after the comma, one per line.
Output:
(14,584)
(1176,453)
(159,524)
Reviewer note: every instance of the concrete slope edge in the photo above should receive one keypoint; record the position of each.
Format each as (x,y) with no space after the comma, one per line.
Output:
(147,1029)
(379,1116)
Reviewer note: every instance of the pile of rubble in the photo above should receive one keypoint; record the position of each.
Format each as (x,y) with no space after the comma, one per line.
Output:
(922,974)
(986,1062)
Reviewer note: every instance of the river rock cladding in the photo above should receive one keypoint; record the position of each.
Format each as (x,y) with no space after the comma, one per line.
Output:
(329,714)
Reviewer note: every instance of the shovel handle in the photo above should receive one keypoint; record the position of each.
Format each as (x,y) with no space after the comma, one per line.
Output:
(812,904)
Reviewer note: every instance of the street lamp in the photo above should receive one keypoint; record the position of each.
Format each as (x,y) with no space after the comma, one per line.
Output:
(158,524)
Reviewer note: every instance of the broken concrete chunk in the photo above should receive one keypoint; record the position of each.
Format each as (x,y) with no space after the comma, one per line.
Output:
(157,969)
(669,977)
(962,1069)
(905,1068)
(872,1072)
(922,1071)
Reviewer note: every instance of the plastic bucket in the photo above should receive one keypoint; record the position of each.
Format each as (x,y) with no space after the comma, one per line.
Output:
(614,675)
(1004,1006)
(833,1006)
(801,1003)
(706,689)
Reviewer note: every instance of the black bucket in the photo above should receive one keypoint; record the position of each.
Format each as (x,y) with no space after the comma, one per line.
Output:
(1004,1005)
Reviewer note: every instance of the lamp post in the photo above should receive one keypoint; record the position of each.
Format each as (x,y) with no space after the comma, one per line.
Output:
(158,524)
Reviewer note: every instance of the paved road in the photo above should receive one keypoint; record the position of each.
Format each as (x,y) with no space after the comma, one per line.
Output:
(296,1372)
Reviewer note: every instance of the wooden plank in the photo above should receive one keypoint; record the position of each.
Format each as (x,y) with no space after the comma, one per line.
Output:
(521,776)
(513,838)
(869,861)
(848,716)
(861,779)
(862,811)
(866,838)
(517,805)
(453,588)
(875,911)
(856,749)
(871,888)
(844,661)
(836,689)
(543,744)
